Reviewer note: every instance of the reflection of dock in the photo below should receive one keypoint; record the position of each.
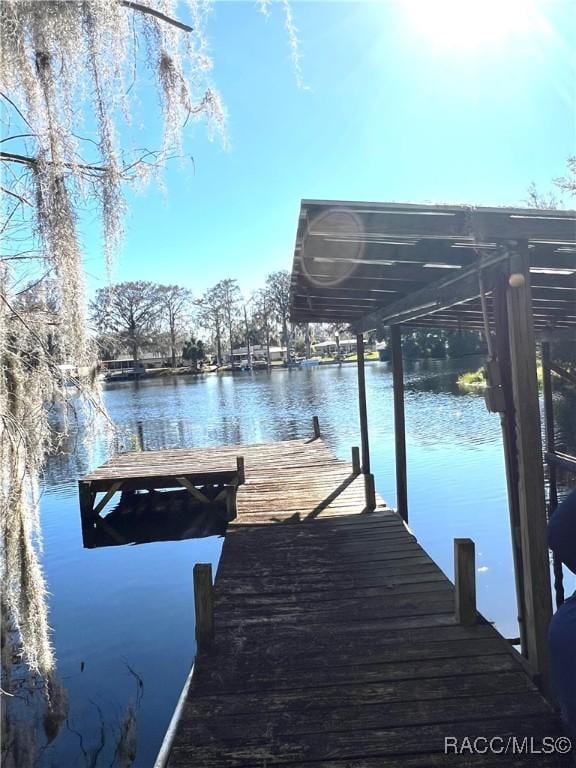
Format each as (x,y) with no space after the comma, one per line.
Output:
(336,641)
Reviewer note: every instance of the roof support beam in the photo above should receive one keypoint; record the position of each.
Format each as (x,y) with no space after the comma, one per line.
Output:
(453,290)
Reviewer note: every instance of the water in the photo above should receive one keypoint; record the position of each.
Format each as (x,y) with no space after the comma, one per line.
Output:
(123,616)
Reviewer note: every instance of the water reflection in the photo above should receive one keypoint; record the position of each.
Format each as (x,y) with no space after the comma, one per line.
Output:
(142,518)
(38,712)
(119,608)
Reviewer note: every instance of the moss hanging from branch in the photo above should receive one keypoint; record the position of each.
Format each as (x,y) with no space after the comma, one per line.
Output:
(54,57)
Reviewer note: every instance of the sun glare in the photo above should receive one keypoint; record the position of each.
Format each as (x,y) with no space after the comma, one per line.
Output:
(470,23)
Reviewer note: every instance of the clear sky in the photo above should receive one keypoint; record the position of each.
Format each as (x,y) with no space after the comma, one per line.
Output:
(401,104)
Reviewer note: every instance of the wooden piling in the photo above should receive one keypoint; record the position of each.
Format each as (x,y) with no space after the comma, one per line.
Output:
(241,470)
(203,604)
(532,503)
(316,427)
(356,460)
(465,581)
(508,426)
(362,404)
(370,491)
(231,503)
(399,421)
(86,498)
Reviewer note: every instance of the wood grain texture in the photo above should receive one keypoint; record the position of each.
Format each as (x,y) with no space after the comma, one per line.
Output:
(336,642)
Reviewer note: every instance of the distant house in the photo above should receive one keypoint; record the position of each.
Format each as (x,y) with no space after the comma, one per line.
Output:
(383,350)
(258,352)
(147,359)
(330,347)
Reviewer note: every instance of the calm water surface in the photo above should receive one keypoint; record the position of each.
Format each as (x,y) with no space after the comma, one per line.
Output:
(123,616)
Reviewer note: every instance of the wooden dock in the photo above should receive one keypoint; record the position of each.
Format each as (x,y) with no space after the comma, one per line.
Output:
(336,642)
(210,477)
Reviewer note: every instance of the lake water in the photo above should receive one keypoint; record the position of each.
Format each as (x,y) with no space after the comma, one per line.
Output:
(122,616)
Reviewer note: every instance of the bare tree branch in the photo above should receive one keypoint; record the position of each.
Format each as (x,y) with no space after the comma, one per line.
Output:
(13,194)
(157,14)
(6,98)
(18,136)
(27,160)
(32,161)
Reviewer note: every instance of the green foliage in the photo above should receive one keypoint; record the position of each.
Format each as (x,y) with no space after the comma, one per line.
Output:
(477,379)
(472,379)
(130,312)
(438,343)
(193,351)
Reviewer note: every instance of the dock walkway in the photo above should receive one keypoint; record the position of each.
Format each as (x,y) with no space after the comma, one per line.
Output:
(336,642)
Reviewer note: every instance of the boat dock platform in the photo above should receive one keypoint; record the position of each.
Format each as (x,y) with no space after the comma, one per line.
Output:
(336,642)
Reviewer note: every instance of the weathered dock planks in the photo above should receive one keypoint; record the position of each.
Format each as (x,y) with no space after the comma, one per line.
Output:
(336,642)
(211,479)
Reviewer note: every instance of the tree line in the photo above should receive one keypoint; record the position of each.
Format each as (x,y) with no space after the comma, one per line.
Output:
(139,317)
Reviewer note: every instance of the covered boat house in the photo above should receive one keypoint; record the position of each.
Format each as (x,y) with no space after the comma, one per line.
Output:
(508,272)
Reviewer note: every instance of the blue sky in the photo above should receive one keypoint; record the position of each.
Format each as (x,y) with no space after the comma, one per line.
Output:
(400,105)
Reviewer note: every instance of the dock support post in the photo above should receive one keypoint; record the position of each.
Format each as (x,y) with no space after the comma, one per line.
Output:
(369,491)
(362,404)
(203,604)
(241,470)
(356,460)
(399,421)
(231,502)
(465,581)
(508,426)
(532,502)
(316,427)
(550,448)
(86,498)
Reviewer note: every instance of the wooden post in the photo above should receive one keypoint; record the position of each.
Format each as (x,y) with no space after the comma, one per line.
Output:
(532,503)
(316,427)
(369,491)
(551,448)
(549,423)
(362,404)
(86,498)
(465,581)
(240,469)
(399,421)
(508,426)
(203,604)
(231,506)
(356,460)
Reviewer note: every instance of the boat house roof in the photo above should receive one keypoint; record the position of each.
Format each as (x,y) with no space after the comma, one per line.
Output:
(374,264)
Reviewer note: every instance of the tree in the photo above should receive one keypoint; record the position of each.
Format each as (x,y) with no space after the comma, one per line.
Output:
(65,65)
(278,290)
(175,303)
(130,312)
(211,316)
(262,316)
(567,183)
(335,330)
(227,296)
(194,352)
